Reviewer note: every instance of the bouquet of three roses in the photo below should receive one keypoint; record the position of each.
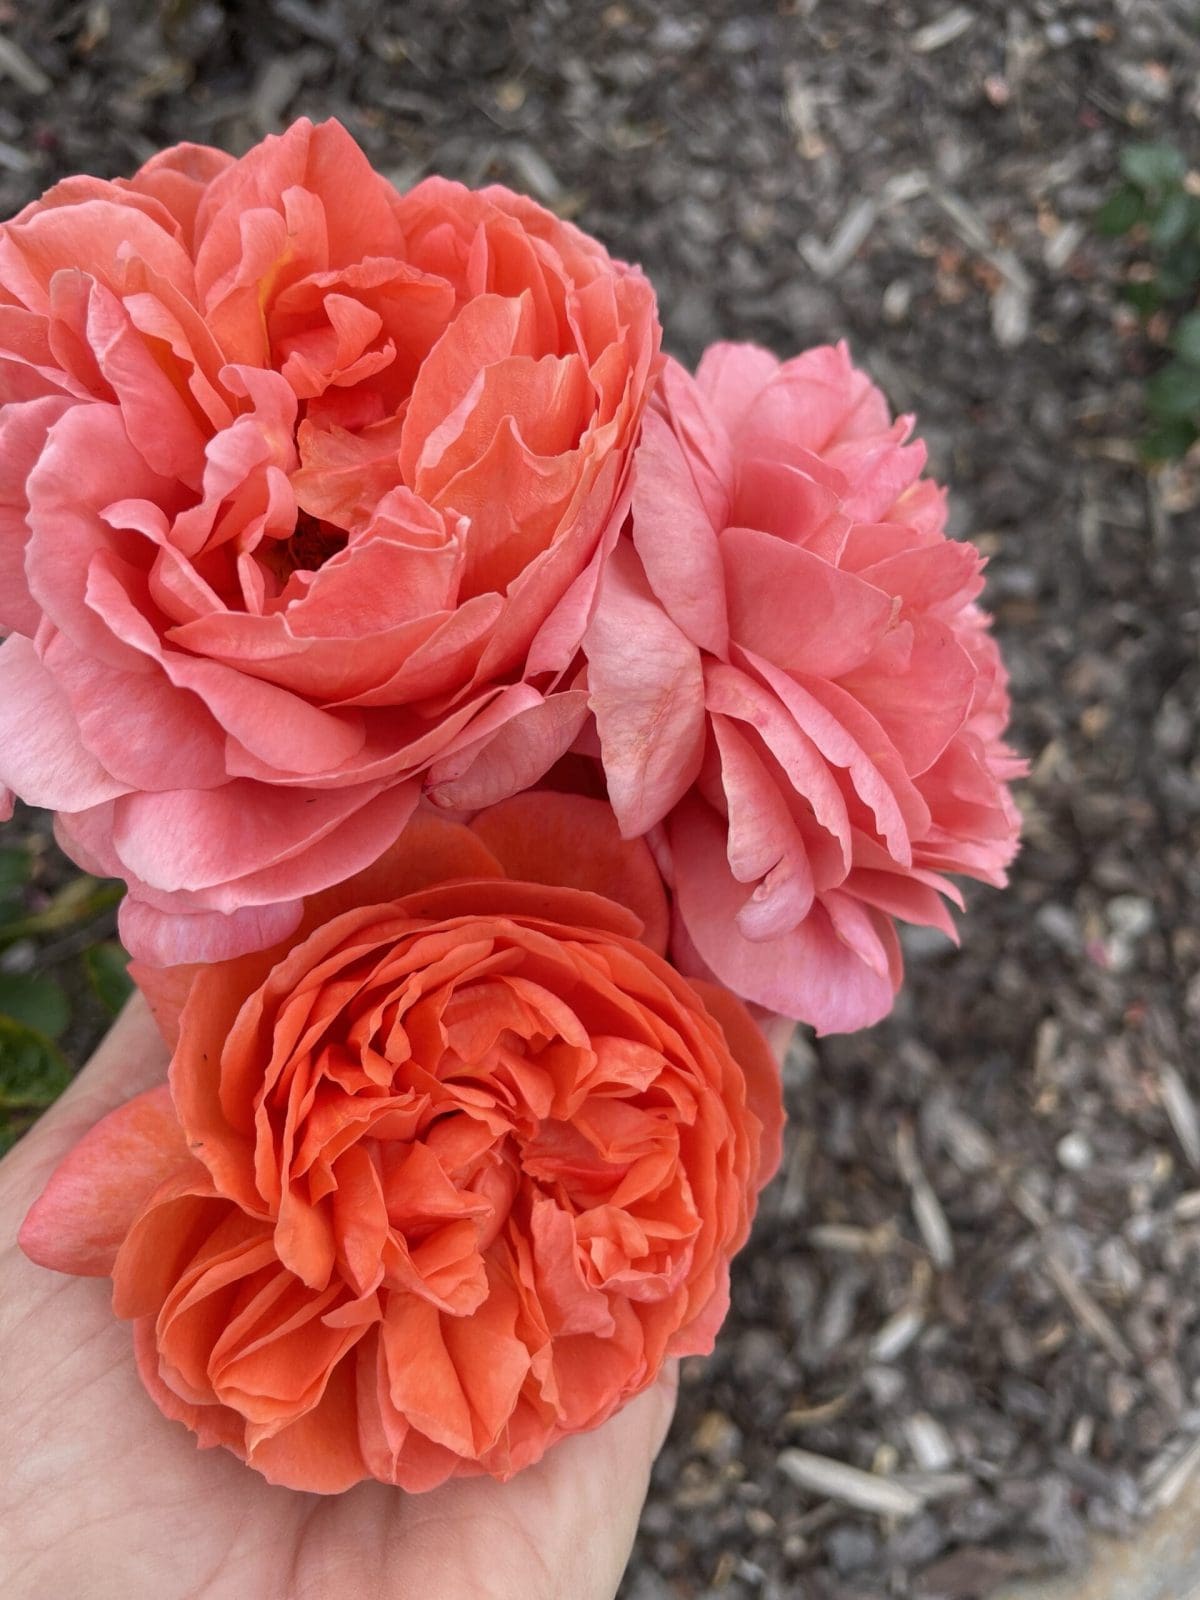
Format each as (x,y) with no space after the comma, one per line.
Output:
(496,728)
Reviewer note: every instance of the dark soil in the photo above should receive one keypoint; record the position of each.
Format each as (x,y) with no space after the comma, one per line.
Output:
(976,1277)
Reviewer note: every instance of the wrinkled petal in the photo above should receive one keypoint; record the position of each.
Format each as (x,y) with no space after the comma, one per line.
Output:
(646,689)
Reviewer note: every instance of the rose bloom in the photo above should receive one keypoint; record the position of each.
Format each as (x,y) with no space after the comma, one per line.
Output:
(304,486)
(444,1178)
(812,724)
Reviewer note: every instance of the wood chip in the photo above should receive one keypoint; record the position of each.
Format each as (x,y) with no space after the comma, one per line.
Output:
(896,1334)
(926,1207)
(943,30)
(931,1446)
(535,173)
(866,1491)
(827,260)
(1181,1109)
(1165,1480)
(813,1416)
(974,231)
(1062,245)
(26,74)
(849,1240)
(969,1146)
(1087,1312)
(1010,315)
(931,1486)
(15,160)
(278,85)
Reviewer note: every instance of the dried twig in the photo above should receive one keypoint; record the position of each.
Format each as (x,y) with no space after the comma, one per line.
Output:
(1181,1109)
(926,1207)
(866,1491)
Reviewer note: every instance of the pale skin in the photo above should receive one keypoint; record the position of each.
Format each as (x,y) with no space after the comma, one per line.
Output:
(101,1496)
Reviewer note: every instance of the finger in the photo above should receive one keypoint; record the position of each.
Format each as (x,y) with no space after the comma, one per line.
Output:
(131,1057)
(612,1489)
(560,1530)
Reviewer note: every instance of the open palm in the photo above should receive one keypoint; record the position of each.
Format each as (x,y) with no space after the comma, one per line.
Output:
(101,1496)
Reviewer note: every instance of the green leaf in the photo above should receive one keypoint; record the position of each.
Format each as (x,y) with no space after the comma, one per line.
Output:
(1121,211)
(1179,275)
(1187,339)
(76,902)
(1143,297)
(1174,391)
(1169,440)
(39,1003)
(105,965)
(33,1073)
(1172,220)
(1153,166)
(14,870)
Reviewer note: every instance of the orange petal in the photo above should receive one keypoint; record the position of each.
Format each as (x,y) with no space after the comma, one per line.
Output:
(85,1211)
(166,990)
(749,1048)
(319,1452)
(571,840)
(429,851)
(211,1424)
(530,901)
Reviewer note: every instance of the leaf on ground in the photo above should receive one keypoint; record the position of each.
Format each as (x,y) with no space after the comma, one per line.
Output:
(33,1072)
(1169,440)
(1153,166)
(14,871)
(1174,391)
(38,1003)
(106,966)
(1187,338)
(1121,211)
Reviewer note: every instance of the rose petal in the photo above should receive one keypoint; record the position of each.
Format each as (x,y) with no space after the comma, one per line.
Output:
(574,842)
(648,702)
(85,1211)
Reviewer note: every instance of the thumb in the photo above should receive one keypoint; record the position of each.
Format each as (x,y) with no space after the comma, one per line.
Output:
(578,1509)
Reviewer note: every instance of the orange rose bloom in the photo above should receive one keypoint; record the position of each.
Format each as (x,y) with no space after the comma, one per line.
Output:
(442,1179)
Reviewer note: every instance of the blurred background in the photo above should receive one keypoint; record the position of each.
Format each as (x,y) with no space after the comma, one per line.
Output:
(975,1278)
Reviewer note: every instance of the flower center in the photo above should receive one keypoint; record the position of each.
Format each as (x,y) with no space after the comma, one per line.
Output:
(311,545)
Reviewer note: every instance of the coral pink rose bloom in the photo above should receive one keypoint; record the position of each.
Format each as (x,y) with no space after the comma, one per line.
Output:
(812,724)
(441,1180)
(304,486)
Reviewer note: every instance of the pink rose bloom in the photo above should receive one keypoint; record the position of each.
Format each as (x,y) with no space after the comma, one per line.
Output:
(811,725)
(304,490)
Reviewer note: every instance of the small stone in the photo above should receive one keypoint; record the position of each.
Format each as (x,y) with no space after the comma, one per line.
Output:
(1074,1152)
(1060,924)
(716,1437)
(851,1549)
(760,1523)
(931,1446)
(1131,916)
(897,298)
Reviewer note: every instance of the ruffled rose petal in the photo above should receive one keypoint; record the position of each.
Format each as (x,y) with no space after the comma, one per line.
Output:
(84,1213)
(808,973)
(315,482)
(648,701)
(574,841)
(444,1178)
(42,757)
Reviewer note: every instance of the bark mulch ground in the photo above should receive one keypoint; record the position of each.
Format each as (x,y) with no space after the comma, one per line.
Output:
(975,1280)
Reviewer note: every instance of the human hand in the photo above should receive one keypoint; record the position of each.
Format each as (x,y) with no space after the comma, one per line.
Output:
(101,1497)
